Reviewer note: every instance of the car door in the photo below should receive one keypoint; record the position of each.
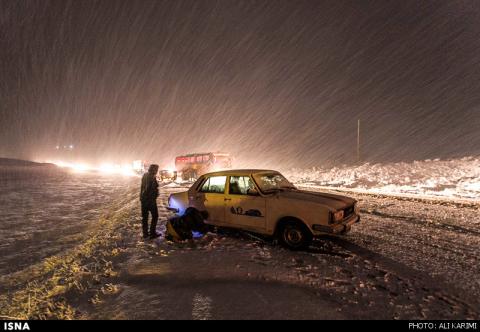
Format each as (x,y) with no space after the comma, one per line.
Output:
(244,208)
(212,194)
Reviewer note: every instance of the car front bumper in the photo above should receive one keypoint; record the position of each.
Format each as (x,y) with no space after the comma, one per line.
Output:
(340,228)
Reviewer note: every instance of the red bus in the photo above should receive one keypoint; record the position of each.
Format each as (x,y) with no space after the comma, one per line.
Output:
(193,165)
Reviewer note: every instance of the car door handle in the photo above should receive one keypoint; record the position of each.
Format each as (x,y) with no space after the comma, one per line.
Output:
(227,199)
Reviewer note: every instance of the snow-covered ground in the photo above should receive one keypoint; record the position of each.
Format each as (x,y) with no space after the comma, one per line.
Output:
(407,258)
(449,179)
(45,210)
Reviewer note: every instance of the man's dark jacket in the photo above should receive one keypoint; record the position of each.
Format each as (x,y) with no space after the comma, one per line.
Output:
(149,189)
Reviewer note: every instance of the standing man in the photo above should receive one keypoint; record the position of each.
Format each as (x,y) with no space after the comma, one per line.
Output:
(148,198)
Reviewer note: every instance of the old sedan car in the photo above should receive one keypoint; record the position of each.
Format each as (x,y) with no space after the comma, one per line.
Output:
(265,202)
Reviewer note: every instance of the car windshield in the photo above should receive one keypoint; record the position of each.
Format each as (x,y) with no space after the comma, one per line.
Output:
(269,182)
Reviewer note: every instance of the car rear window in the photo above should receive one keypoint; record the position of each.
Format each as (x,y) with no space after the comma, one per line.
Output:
(240,185)
(214,184)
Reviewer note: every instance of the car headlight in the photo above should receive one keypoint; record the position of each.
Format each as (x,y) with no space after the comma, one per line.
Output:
(338,216)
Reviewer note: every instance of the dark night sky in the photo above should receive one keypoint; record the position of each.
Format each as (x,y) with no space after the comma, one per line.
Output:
(277,83)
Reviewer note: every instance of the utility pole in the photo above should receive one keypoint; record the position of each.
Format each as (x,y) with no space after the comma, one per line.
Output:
(358,141)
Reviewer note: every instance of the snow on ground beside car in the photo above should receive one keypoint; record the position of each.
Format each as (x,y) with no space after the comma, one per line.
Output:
(406,259)
(45,210)
(450,179)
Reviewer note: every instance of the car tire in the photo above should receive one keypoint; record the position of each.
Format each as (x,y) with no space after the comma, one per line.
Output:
(294,235)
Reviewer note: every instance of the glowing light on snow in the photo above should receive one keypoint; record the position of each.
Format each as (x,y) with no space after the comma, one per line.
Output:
(127,170)
(107,168)
(103,168)
(60,164)
(80,167)
(138,166)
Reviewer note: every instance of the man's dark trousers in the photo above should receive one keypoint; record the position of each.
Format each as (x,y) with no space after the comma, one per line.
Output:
(153,209)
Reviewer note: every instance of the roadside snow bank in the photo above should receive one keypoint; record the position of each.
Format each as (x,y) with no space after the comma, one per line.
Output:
(454,179)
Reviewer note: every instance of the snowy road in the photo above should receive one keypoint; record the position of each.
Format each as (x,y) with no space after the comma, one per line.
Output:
(406,259)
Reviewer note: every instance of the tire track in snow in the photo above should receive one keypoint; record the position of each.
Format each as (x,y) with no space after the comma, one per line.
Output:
(416,221)
(202,307)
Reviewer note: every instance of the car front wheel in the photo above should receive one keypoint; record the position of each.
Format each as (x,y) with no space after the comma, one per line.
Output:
(295,236)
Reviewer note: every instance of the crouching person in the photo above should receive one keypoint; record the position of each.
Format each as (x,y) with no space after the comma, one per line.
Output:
(181,228)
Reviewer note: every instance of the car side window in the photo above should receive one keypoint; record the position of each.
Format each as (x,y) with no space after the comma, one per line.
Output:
(240,185)
(214,184)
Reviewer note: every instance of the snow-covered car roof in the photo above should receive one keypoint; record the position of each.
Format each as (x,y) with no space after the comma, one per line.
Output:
(240,172)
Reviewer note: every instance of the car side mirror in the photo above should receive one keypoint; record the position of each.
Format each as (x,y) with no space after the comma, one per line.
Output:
(252,192)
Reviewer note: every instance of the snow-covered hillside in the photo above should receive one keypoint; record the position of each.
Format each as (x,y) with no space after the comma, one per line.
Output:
(454,179)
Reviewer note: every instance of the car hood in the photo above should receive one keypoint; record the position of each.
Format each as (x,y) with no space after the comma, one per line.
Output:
(336,202)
